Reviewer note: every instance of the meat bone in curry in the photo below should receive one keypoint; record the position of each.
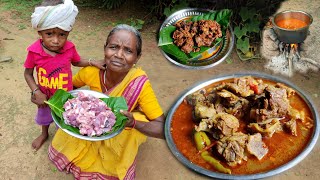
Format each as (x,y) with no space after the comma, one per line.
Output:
(241,117)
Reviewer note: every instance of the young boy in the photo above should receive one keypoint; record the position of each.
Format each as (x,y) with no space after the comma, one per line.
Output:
(52,56)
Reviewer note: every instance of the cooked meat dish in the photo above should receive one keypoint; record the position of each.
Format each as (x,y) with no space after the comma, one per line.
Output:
(190,36)
(241,117)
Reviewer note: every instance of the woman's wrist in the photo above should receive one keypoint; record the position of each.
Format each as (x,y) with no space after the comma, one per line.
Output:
(133,124)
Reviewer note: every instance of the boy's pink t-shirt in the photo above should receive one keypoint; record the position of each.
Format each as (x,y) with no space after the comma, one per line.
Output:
(53,72)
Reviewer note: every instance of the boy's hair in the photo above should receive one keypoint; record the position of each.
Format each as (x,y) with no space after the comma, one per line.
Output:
(130,29)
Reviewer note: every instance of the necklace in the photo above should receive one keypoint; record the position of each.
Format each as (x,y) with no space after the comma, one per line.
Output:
(49,49)
(104,80)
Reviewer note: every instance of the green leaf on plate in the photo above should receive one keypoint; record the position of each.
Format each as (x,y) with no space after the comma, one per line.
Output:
(200,17)
(194,18)
(57,101)
(223,17)
(206,16)
(202,49)
(116,104)
(213,15)
(167,45)
(165,35)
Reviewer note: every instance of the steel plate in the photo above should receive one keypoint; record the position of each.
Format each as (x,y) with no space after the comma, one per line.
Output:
(88,138)
(213,174)
(226,45)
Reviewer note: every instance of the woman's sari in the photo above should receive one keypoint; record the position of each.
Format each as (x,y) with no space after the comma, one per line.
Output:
(109,159)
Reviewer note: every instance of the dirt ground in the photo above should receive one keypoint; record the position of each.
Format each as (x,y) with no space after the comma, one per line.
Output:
(155,161)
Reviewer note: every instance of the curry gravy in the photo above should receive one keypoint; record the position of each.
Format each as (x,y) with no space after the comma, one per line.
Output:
(291,23)
(282,146)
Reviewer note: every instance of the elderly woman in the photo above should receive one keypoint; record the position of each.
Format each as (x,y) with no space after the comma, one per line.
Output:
(114,158)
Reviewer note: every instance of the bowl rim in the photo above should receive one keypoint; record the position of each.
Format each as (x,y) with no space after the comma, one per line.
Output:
(291,11)
(308,148)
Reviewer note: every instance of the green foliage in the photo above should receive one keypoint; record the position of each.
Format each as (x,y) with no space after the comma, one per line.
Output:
(19,4)
(22,8)
(174,6)
(112,4)
(247,30)
(240,32)
(22,26)
(245,13)
(54,170)
(243,45)
(229,60)
(136,23)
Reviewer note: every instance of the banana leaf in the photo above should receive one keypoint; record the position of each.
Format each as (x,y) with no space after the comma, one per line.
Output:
(223,17)
(167,45)
(60,97)
(204,48)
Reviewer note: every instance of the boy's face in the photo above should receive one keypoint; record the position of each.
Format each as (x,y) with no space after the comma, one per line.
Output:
(54,39)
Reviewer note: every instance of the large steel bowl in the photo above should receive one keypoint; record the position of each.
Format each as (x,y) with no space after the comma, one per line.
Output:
(172,146)
(288,35)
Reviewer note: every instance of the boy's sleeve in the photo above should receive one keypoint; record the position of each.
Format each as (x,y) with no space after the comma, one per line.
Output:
(76,56)
(29,63)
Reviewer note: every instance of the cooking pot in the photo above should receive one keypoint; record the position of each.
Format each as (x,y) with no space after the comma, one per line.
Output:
(292,36)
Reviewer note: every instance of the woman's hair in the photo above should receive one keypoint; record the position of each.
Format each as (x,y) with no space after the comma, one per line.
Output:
(130,29)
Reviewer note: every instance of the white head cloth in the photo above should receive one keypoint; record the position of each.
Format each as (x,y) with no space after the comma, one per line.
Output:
(60,16)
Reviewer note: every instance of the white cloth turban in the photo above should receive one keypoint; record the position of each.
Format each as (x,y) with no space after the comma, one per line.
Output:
(60,16)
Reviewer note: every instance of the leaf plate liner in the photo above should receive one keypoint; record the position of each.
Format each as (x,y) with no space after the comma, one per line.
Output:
(116,104)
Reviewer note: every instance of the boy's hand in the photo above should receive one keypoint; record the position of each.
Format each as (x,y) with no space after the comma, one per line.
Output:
(38,98)
(101,64)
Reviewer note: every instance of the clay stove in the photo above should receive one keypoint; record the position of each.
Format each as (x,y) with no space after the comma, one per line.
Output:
(286,58)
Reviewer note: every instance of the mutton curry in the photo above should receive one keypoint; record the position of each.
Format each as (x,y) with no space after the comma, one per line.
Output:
(245,125)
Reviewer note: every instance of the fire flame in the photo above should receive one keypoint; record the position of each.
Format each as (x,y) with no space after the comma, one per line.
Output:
(294,47)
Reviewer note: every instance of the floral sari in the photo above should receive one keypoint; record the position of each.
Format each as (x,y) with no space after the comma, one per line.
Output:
(109,159)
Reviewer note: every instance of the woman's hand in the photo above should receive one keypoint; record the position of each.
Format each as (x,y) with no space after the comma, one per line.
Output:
(38,98)
(131,120)
(153,128)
